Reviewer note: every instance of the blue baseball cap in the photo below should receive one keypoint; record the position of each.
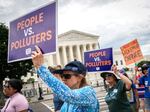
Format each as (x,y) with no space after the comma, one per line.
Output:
(74,66)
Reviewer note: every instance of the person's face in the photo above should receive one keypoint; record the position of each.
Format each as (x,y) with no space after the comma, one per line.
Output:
(8,90)
(145,72)
(139,71)
(71,79)
(110,79)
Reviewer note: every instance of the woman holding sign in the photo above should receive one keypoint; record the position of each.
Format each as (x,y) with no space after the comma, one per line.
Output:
(116,97)
(76,94)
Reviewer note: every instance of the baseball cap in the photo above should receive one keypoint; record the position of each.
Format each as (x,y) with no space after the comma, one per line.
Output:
(74,66)
(145,67)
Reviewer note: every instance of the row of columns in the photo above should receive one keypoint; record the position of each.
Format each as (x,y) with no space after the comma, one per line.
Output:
(69,53)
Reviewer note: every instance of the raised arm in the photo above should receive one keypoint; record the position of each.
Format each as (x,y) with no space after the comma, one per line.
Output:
(125,79)
(84,96)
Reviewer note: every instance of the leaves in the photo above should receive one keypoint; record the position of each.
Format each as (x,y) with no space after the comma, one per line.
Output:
(11,70)
(143,62)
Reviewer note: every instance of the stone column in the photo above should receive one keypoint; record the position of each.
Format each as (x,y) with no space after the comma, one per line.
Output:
(91,48)
(58,57)
(78,53)
(97,46)
(50,60)
(71,53)
(84,48)
(64,55)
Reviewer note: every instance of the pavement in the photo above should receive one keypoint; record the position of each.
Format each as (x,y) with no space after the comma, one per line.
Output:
(46,105)
(40,107)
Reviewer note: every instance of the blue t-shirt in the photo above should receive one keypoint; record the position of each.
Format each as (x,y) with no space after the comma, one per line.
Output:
(78,100)
(145,80)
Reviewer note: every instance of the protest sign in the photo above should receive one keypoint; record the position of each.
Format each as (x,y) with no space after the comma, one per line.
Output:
(98,60)
(35,28)
(131,52)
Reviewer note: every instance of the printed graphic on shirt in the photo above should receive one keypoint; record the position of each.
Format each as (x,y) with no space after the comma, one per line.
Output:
(130,96)
(111,96)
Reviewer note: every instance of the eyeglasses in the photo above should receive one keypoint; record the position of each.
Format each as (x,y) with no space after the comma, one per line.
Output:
(67,76)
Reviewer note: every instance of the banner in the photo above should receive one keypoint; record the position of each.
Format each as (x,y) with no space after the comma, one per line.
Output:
(131,52)
(35,28)
(141,92)
(98,60)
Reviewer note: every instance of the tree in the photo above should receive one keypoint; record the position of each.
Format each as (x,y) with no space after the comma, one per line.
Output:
(31,80)
(10,70)
(143,62)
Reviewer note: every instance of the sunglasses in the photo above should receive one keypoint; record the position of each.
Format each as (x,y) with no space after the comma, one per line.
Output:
(67,76)
(109,75)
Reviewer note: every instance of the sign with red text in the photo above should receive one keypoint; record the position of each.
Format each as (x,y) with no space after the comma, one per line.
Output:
(98,60)
(35,28)
(131,52)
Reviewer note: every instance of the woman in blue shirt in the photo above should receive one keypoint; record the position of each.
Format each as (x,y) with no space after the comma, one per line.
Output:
(76,94)
(145,80)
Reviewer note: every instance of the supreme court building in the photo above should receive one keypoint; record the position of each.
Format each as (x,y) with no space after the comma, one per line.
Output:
(72,45)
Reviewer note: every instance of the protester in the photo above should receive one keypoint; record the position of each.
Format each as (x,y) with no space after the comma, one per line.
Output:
(133,96)
(138,74)
(82,98)
(16,101)
(145,80)
(116,97)
(140,88)
(56,100)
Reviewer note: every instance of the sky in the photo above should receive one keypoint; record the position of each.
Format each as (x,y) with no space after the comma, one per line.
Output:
(116,22)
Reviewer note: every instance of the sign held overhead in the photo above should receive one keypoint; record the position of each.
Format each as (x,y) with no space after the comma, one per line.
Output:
(131,52)
(35,28)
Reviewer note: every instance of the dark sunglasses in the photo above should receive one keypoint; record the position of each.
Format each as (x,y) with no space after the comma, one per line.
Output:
(67,76)
(108,75)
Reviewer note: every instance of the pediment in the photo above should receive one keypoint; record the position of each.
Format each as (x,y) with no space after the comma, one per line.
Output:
(76,35)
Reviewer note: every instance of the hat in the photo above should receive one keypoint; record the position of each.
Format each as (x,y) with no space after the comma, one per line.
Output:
(145,67)
(74,66)
(108,73)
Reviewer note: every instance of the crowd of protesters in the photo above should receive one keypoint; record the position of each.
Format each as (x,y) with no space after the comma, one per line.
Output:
(73,94)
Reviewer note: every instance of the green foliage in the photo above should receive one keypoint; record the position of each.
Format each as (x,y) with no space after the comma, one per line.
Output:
(143,62)
(11,70)
(126,69)
(30,80)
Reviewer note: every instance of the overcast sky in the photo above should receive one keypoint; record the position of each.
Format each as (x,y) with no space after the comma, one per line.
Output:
(117,22)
